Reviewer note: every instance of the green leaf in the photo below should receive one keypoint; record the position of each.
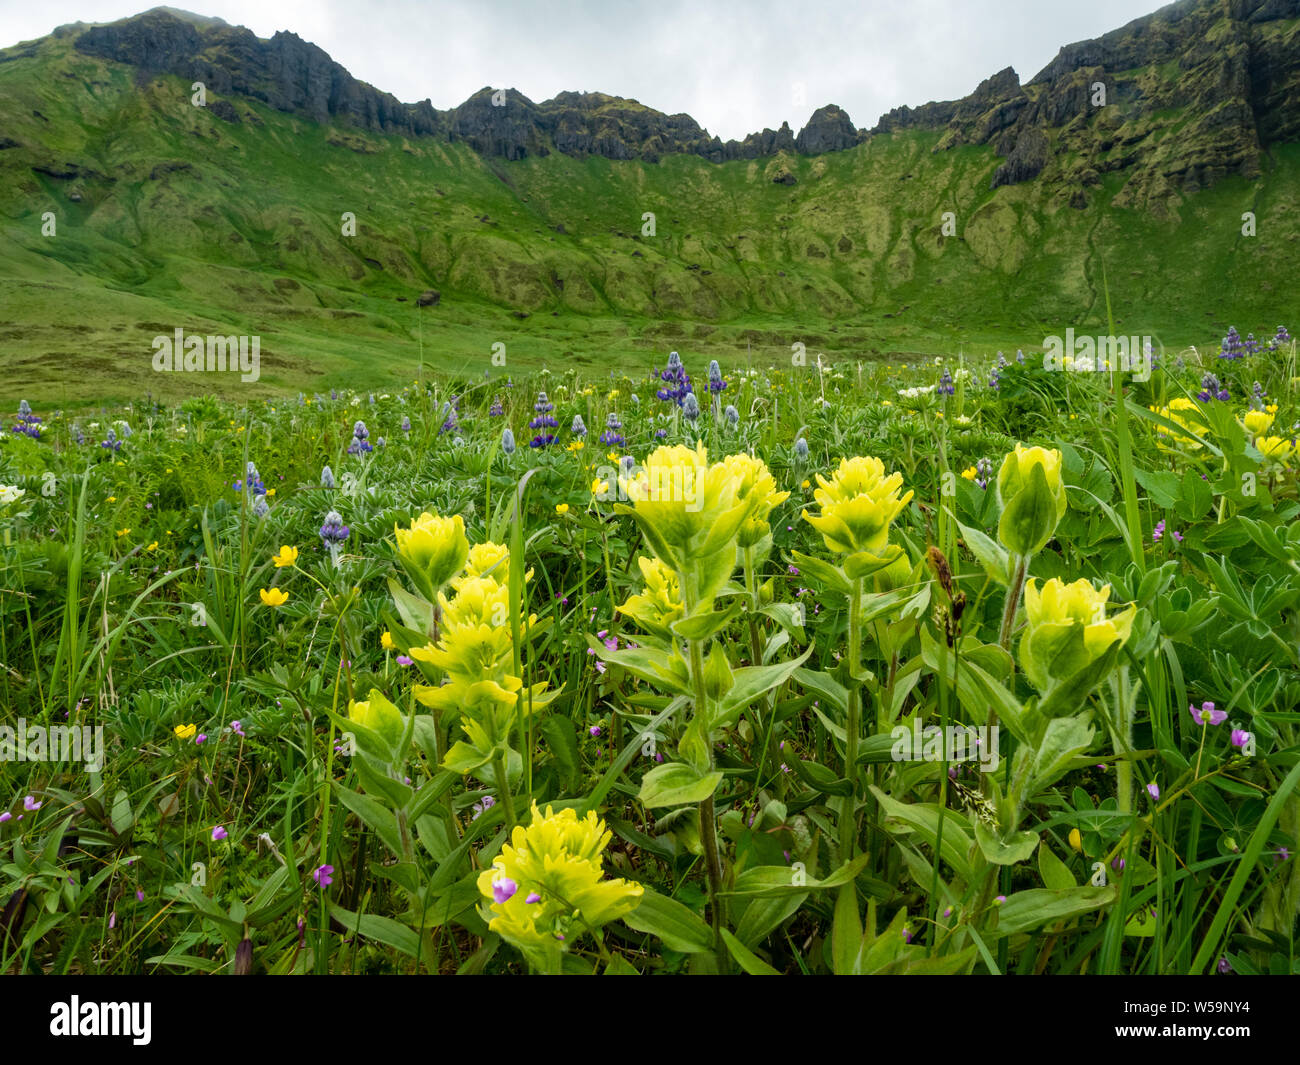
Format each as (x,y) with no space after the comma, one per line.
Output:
(989,553)
(382,930)
(831,577)
(702,626)
(746,958)
(677,784)
(923,819)
(676,926)
(750,685)
(1005,852)
(1064,738)
(1027,910)
(373,815)
(1162,487)
(1055,873)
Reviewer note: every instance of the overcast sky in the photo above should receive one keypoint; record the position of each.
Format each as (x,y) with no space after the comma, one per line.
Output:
(733,65)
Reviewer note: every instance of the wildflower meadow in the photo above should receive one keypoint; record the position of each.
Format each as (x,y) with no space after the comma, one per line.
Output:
(959,665)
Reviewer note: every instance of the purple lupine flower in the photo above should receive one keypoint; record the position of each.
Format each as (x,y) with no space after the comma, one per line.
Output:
(111,442)
(28,423)
(578,428)
(1211,389)
(327,479)
(611,437)
(946,387)
(507,441)
(334,534)
(496,410)
(479,807)
(1251,345)
(360,440)
(691,408)
(801,451)
(1231,347)
(544,422)
(716,383)
(1280,338)
(731,416)
(450,419)
(677,384)
(983,472)
(406,424)
(1207,714)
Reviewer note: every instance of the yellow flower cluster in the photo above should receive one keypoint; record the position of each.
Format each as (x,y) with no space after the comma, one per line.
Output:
(858,505)
(547,887)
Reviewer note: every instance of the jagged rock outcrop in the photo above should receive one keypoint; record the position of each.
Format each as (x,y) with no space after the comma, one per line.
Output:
(292,75)
(829,130)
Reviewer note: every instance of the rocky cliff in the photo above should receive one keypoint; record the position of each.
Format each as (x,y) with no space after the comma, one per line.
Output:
(1172,102)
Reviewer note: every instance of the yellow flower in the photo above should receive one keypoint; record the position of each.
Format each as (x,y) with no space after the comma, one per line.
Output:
(386,641)
(111,499)
(123,532)
(433,550)
(575,445)
(612,456)
(1257,421)
(561,509)
(546,887)
(757,487)
(858,504)
(1076,839)
(1032,506)
(660,604)
(1179,412)
(1274,447)
(688,508)
(287,556)
(184,732)
(378,715)
(274,597)
(599,487)
(270,491)
(805,483)
(970,473)
(153,546)
(1067,629)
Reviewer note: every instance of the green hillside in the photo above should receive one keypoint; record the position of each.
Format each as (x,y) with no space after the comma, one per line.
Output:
(170,216)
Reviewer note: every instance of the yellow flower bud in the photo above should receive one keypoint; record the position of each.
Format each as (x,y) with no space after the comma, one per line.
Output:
(1068,630)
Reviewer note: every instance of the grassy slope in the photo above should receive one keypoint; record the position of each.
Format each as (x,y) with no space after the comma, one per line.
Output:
(247,240)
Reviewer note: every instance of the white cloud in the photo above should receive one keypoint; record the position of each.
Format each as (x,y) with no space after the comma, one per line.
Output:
(730,65)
